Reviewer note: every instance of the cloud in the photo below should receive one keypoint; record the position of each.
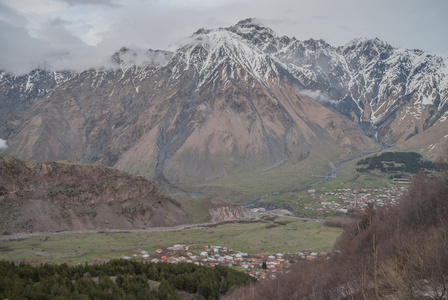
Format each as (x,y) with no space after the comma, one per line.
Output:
(320,97)
(9,15)
(24,53)
(90,2)
(56,33)
(83,33)
(126,58)
(3,144)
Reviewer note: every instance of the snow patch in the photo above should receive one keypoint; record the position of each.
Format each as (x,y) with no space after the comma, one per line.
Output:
(425,100)
(443,118)
(3,144)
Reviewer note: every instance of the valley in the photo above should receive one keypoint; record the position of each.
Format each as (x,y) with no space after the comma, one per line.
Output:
(328,159)
(256,229)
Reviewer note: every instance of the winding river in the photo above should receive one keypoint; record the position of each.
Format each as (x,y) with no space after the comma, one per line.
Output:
(331,174)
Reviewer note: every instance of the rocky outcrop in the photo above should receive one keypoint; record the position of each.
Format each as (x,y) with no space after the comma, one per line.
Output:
(223,210)
(230,213)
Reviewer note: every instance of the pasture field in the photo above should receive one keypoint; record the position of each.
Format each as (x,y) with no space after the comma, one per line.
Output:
(286,235)
(248,185)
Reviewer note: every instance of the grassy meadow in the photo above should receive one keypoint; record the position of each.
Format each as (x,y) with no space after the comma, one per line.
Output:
(248,185)
(287,235)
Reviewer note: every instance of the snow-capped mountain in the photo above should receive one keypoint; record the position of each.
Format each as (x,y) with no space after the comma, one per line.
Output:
(227,100)
(18,92)
(370,80)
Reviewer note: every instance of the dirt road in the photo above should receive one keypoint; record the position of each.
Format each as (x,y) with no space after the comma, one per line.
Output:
(25,235)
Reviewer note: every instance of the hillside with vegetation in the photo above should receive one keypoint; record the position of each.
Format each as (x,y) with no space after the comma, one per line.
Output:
(393,162)
(117,279)
(390,252)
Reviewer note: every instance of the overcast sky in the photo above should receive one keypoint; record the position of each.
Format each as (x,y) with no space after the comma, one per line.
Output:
(78,34)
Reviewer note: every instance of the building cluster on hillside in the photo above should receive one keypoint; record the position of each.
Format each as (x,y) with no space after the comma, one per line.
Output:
(344,200)
(259,266)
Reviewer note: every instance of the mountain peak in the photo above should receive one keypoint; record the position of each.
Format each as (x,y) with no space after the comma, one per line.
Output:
(242,27)
(315,44)
(249,22)
(240,46)
(367,43)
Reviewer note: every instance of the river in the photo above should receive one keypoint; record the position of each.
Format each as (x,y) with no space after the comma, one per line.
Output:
(331,174)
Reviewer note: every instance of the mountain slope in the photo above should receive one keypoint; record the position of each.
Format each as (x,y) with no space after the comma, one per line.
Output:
(392,92)
(219,106)
(234,99)
(17,93)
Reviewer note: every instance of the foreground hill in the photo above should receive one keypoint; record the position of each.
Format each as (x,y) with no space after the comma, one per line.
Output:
(55,196)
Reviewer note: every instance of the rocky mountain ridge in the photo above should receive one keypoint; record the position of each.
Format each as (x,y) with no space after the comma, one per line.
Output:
(369,81)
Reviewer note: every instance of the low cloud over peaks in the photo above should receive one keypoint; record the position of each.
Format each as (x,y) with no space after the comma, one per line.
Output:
(320,96)
(80,34)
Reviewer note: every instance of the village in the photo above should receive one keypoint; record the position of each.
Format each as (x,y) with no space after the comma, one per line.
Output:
(345,200)
(259,266)
(262,267)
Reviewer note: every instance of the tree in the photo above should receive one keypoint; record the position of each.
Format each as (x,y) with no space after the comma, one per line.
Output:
(166,291)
